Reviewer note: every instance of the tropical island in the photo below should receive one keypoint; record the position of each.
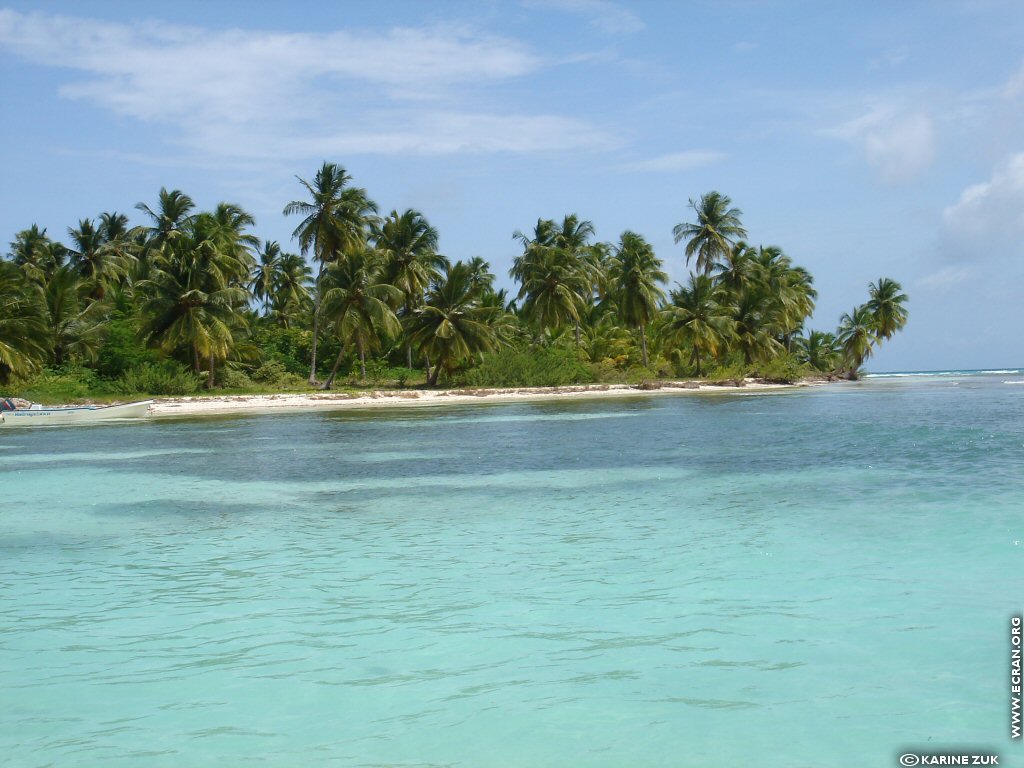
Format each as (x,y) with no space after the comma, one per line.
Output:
(192,301)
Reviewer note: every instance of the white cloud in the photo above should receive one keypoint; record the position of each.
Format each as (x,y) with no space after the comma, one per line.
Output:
(258,93)
(991,213)
(947,278)
(899,145)
(676,161)
(602,15)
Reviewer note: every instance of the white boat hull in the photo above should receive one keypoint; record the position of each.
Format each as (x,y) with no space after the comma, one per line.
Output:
(33,417)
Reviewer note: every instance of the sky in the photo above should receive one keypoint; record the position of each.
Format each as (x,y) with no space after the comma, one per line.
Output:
(867,140)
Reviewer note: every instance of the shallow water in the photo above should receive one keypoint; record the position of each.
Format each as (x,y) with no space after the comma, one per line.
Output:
(821,577)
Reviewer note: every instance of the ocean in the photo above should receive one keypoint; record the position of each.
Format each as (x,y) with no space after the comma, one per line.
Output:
(812,577)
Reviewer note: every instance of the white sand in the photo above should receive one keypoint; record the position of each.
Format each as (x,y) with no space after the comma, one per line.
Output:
(221,404)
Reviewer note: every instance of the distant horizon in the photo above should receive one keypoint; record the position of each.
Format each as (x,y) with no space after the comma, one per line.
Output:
(1004,369)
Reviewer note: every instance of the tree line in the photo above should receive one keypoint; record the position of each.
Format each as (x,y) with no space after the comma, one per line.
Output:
(197,294)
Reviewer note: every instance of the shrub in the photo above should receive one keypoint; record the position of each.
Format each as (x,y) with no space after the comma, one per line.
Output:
(785,369)
(289,346)
(273,373)
(63,385)
(539,367)
(167,378)
(121,349)
(233,378)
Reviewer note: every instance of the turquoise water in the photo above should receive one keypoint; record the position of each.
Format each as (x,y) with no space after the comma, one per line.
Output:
(818,577)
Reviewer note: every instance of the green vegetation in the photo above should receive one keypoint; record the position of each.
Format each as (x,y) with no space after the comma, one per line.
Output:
(190,300)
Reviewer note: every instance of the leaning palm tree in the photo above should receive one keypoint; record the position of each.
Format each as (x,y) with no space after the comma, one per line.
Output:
(23,331)
(335,222)
(886,306)
(699,317)
(452,326)
(857,334)
(717,227)
(636,274)
(357,302)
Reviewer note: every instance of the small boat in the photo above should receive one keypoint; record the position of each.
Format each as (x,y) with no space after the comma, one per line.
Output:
(38,415)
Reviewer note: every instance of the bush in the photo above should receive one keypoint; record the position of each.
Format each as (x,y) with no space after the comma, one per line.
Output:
(121,349)
(232,378)
(63,385)
(291,347)
(539,367)
(727,371)
(784,369)
(167,378)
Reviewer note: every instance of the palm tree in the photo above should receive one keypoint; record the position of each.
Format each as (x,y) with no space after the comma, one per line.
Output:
(555,283)
(552,290)
(114,227)
(100,263)
(74,323)
(712,235)
(857,333)
(335,222)
(480,275)
(819,350)
(636,273)
(886,306)
(194,296)
(265,275)
(408,245)
(23,331)
(357,302)
(452,326)
(37,255)
(737,269)
(572,239)
(291,288)
(756,321)
(169,219)
(700,317)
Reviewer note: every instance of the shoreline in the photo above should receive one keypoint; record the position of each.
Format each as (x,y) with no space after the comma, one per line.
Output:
(329,401)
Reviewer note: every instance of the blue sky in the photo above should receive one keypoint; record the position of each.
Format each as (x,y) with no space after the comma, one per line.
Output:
(865,139)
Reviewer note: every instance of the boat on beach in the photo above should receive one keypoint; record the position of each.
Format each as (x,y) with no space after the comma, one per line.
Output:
(37,415)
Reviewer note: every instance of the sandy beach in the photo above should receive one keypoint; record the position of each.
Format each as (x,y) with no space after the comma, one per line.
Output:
(226,404)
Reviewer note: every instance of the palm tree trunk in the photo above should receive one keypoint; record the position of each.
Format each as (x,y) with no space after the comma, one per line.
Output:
(316,327)
(426,357)
(195,359)
(643,345)
(362,359)
(432,378)
(209,378)
(334,371)
(408,355)
(696,356)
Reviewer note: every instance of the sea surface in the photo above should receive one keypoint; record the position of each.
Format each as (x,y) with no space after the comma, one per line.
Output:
(819,577)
